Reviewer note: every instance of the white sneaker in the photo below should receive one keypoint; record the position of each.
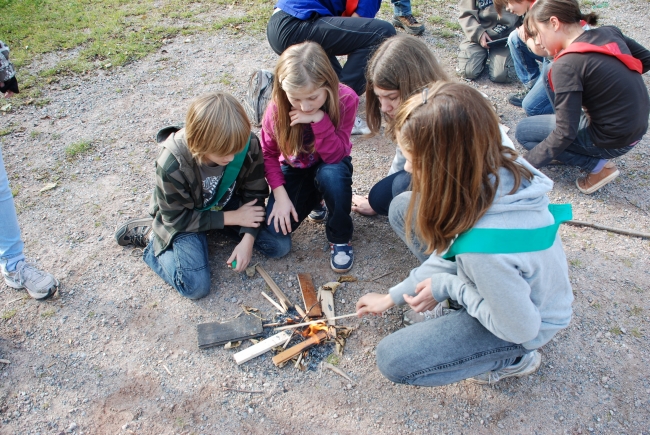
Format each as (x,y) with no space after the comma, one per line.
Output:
(39,284)
(360,126)
(411,317)
(528,365)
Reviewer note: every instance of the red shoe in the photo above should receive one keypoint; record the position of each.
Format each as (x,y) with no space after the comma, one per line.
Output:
(590,183)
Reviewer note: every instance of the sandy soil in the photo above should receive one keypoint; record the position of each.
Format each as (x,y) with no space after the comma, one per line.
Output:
(115,352)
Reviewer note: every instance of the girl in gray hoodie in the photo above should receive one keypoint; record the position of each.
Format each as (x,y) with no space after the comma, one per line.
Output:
(487,239)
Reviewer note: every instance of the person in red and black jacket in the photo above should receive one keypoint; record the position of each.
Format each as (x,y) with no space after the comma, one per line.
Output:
(595,84)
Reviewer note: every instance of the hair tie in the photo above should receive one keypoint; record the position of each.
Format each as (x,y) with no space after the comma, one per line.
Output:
(425,96)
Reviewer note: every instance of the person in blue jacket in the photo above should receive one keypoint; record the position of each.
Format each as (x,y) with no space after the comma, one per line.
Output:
(342,28)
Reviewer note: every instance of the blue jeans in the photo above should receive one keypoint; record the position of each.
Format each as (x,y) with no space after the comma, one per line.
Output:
(401,8)
(443,350)
(384,191)
(581,153)
(306,188)
(11,245)
(538,101)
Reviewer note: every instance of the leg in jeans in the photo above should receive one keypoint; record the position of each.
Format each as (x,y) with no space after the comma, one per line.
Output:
(396,217)
(537,101)
(401,8)
(339,36)
(524,60)
(184,265)
(443,351)
(334,183)
(384,191)
(501,68)
(11,245)
(471,59)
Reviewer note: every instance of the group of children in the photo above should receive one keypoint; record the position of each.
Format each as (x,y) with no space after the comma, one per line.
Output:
(473,211)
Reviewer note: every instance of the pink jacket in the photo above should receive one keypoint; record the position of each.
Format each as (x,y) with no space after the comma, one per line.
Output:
(331,144)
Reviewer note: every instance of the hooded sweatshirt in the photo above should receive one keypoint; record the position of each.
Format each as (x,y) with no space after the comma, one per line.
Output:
(523,298)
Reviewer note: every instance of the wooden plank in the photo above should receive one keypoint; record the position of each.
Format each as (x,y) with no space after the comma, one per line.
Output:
(312,304)
(215,333)
(295,350)
(275,304)
(261,347)
(284,300)
(326,298)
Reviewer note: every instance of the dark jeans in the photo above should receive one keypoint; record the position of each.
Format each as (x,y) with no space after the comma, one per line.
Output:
(306,188)
(185,263)
(581,153)
(384,191)
(339,36)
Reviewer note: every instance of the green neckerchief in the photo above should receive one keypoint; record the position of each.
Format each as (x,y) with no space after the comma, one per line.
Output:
(509,241)
(229,177)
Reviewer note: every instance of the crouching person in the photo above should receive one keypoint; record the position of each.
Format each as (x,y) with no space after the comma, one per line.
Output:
(209,176)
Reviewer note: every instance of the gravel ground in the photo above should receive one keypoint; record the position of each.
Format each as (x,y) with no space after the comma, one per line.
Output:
(114,352)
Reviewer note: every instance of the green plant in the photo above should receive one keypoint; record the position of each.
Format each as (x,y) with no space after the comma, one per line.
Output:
(636,333)
(91,314)
(616,330)
(636,311)
(333,359)
(47,314)
(8,314)
(15,190)
(73,150)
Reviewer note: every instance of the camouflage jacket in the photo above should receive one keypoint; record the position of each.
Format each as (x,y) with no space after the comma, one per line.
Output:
(178,192)
(6,68)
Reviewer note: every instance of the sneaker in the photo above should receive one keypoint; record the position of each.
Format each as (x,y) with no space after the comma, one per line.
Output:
(40,285)
(517,99)
(411,317)
(360,126)
(409,23)
(590,183)
(527,365)
(135,232)
(319,213)
(341,257)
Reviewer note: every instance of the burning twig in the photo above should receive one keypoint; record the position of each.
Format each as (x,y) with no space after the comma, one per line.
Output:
(286,355)
(298,325)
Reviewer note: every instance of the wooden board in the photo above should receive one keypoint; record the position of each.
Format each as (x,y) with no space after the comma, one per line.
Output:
(295,350)
(326,298)
(215,333)
(309,296)
(261,347)
(284,300)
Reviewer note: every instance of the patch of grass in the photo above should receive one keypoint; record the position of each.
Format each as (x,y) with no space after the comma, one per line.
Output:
(47,314)
(452,25)
(435,19)
(73,150)
(575,263)
(34,134)
(627,262)
(636,311)
(333,359)
(8,314)
(91,314)
(616,330)
(6,131)
(444,33)
(15,190)
(636,333)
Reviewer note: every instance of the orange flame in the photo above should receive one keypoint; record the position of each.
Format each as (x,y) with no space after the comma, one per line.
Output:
(314,328)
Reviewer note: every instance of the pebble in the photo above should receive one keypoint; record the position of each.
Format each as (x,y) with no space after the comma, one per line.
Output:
(72,427)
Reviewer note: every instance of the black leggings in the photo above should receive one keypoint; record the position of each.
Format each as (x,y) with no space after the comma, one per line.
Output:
(384,191)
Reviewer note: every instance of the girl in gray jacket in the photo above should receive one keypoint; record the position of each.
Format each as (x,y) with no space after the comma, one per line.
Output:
(487,239)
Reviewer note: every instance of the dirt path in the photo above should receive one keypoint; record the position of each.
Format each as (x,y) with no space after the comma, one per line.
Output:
(115,351)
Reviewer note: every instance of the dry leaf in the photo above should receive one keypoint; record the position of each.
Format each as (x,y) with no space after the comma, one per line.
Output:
(332,286)
(344,331)
(250,271)
(48,186)
(254,340)
(347,278)
(232,344)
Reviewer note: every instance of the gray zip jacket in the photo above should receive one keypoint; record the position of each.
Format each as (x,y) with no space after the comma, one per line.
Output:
(523,298)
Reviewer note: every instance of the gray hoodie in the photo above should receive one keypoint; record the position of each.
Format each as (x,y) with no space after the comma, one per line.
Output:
(522,298)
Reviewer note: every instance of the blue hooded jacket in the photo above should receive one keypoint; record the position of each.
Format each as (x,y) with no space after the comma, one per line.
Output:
(308,9)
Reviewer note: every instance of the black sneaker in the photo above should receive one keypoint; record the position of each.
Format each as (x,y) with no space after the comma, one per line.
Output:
(518,98)
(409,23)
(135,232)
(319,213)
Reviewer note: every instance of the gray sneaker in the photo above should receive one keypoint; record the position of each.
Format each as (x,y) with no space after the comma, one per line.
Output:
(40,285)
(528,365)
(411,317)
(135,232)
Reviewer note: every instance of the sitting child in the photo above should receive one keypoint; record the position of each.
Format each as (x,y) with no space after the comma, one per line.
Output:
(209,176)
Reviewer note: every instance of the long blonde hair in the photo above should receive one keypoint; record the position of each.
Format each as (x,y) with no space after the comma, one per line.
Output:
(402,63)
(302,66)
(454,142)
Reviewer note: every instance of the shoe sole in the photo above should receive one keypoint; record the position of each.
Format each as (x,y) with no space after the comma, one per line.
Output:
(611,177)
(340,270)
(317,220)
(50,292)
(408,30)
(125,227)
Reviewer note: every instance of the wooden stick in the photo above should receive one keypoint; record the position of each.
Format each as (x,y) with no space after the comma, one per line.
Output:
(284,300)
(300,311)
(275,304)
(337,370)
(381,276)
(165,367)
(326,299)
(261,347)
(297,364)
(298,348)
(242,391)
(13,300)
(312,304)
(611,229)
(5,361)
(298,325)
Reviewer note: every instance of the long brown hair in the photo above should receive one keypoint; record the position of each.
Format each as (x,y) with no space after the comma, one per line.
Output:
(403,63)
(302,67)
(566,11)
(453,138)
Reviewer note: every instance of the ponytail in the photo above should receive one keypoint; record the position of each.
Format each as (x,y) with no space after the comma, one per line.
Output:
(591,18)
(566,11)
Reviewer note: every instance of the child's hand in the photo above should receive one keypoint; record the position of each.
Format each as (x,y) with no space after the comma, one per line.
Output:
(299,117)
(283,210)
(483,40)
(374,303)
(8,94)
(424,300)
(242,253)
(521,32)
(248,215)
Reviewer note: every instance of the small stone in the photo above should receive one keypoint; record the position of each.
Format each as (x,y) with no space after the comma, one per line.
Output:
(335,416)
(605,379)
(72,427)
(250,410)
(435,416)
(233,300)
(465,414)
(100,238)
(613,278)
